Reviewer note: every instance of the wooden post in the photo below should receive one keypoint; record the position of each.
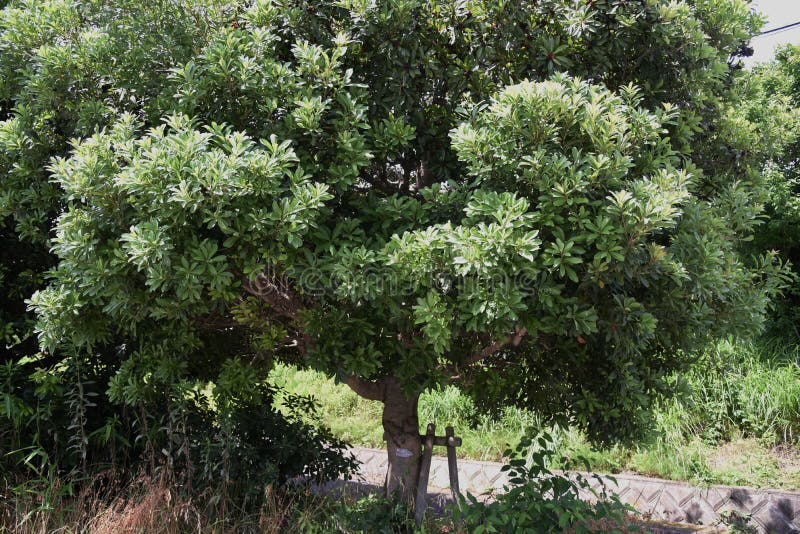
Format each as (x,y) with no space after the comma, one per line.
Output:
(452,466)
(424,474)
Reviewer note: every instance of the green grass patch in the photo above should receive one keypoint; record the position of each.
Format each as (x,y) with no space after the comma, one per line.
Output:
(739,424)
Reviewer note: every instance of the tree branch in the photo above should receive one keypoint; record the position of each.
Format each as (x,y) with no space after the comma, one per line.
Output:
(424,176)
(378,180)
(276,294)
(366,388)
(284,302)
(513,339)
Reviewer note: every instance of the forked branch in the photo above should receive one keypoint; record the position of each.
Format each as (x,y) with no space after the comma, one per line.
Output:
(512,339)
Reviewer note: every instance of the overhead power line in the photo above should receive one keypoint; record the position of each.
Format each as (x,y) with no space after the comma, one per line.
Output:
(779,29)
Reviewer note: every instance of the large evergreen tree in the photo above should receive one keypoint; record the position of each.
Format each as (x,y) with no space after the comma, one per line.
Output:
(539,201)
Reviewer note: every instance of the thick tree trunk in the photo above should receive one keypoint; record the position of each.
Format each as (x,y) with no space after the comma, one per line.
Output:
(401,427)
(401,431)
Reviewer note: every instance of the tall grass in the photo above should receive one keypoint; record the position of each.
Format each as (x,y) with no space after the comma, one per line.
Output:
(740,389)
(146,505)
(154,506)
(738,424)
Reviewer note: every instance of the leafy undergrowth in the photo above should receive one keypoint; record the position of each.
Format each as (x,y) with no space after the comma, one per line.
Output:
(738,424)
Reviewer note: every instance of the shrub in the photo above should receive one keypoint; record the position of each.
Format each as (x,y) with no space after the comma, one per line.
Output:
(539,500)
(227,443)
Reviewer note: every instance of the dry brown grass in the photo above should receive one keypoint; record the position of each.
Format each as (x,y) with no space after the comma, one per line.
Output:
(147,505)
(156,508)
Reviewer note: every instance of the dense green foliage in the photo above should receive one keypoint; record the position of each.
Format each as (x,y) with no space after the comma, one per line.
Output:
(161,233)
(226,443)
(542,202)
(68,70)
(776,100)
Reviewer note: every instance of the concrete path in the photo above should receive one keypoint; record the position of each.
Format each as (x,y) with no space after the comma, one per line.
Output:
(771,511)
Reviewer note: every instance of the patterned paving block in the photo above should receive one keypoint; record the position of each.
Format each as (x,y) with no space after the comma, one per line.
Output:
(440,475)
(666,507)
(651,492)
(788,504)
(699,512)
(635,497)
(773,520)
(744,499)
(715,497)
(683,493)
(477,480)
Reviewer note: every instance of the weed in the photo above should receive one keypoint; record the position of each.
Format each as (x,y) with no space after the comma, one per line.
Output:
(538,500)
(737,523)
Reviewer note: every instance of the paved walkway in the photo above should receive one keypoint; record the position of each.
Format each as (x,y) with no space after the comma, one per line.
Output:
(771,511)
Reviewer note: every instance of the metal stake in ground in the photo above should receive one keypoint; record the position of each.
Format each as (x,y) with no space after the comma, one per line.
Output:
(452,466)
(424,474)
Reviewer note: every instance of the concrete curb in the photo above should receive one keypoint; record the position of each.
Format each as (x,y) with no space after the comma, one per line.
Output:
(771,511)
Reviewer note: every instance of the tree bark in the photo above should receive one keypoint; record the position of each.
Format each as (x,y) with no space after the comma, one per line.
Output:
(401,432)
(401,427)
